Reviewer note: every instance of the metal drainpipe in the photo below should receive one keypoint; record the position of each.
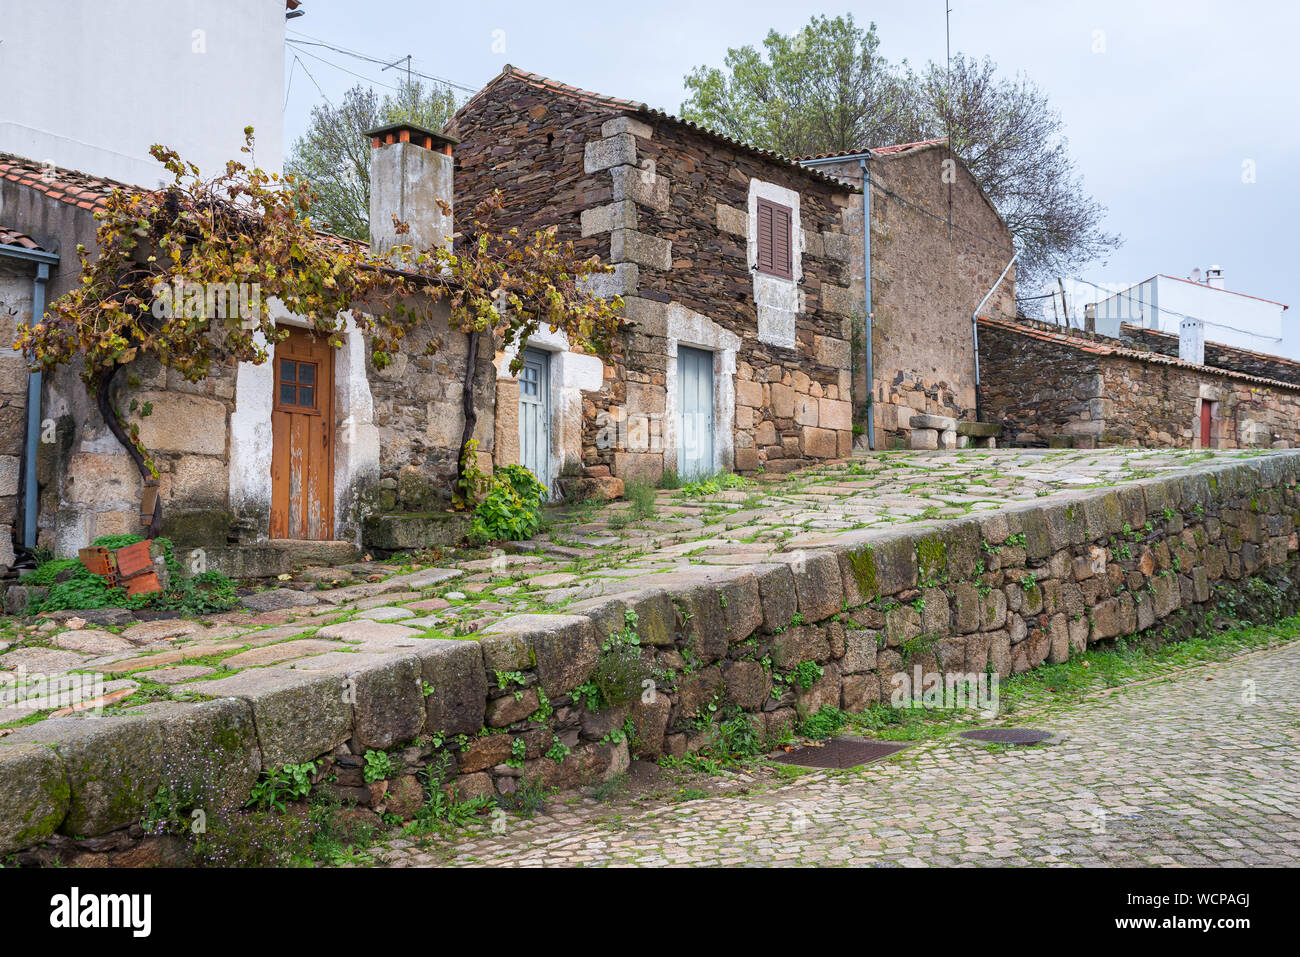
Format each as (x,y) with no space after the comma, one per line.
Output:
(30,490)
(866,279)
(975,330)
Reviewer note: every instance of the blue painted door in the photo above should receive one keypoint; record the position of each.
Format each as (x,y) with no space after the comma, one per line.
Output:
(535,415)
(694,412)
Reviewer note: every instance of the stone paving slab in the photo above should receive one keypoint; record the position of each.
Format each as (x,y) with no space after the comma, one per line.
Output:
(1181,772)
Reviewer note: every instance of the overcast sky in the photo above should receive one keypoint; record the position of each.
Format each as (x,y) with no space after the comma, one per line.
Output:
(1160,121)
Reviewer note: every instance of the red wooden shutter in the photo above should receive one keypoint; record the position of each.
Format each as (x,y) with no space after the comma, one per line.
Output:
(774,240)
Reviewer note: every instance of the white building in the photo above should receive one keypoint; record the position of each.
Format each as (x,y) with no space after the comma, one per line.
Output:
(1231,318)
(95,83)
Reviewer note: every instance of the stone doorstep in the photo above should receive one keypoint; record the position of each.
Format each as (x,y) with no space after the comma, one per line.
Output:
(301,711)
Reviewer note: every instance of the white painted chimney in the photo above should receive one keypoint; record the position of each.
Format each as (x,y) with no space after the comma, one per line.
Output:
(410,171)
(1191,341)
(1214,276)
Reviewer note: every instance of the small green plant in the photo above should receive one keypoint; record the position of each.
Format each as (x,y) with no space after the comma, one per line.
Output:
(642,497)
(275,789)
(806,674)
(528,798)
(621,669)
(378,766)
(826,723)
(511,509)
(713,484)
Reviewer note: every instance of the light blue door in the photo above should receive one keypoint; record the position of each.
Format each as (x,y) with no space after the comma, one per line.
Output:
(535,415)
(695,413)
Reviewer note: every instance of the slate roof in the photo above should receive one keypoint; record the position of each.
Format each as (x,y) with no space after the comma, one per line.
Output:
(631,106)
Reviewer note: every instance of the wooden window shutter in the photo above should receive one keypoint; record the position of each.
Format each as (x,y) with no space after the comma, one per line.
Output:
(765,236)
(775,255)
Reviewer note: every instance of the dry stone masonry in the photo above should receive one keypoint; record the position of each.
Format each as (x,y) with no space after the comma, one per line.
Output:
(1000,593)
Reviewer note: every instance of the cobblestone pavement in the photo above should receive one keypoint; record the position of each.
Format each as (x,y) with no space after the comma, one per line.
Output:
(588,551)
(1179,771)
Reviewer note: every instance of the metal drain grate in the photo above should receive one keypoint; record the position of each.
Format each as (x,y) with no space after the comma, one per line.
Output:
(1008,735)
(841,753)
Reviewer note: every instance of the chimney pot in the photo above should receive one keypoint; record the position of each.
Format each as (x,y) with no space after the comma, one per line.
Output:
(410,171)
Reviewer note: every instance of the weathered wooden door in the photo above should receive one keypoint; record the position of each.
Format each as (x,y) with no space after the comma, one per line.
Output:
(302,439)
(1207,420)
(694,412)
(535,414)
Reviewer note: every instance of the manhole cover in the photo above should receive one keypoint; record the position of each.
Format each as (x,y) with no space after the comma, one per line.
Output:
(840,753)
(1008,735)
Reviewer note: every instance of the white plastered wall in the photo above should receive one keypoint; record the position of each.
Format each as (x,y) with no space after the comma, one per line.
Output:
(777,300)
(356,439)
(571,374)
(689,328)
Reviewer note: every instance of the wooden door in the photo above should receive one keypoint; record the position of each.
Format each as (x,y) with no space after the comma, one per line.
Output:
(535,414)
(694,413)
(1207,418)
(302,439)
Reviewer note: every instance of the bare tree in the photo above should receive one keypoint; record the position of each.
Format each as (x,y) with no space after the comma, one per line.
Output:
(827,88)
(1008,134)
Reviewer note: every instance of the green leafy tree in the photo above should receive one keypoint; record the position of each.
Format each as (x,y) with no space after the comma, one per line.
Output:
(335,157)
(827,88)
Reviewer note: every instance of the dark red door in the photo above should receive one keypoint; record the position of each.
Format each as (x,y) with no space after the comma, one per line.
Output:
(1206,417)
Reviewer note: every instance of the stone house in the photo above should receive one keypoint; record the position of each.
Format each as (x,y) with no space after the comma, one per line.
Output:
(1046,385)
(734,263)
(936,248)
(388,439)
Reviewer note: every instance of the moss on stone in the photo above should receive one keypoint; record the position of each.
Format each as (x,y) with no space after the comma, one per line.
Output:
(863,563)
(931,557)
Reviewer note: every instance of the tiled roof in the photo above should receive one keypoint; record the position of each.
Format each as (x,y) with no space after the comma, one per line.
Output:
(1100,346)
(893,150)
(65,185)
(630,106)
(1129,328)
(12,237)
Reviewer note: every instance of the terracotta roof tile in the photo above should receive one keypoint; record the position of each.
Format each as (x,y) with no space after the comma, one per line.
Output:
(65,185)
(12,237)
(1106,349)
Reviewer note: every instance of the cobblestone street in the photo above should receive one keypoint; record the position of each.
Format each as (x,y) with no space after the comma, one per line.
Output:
(1184,770)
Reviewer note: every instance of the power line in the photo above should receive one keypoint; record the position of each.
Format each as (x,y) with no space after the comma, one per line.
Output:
(313,41)
(288,87)
(359,76)
(313,80)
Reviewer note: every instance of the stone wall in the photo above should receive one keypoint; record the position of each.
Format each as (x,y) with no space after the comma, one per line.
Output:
(937,247)
(1000,594)
(1049,386)
(669,208)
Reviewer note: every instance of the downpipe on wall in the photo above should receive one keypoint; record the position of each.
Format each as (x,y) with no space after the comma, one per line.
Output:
(975,331)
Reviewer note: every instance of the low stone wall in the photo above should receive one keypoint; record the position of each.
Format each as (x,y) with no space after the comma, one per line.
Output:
(1037,582)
